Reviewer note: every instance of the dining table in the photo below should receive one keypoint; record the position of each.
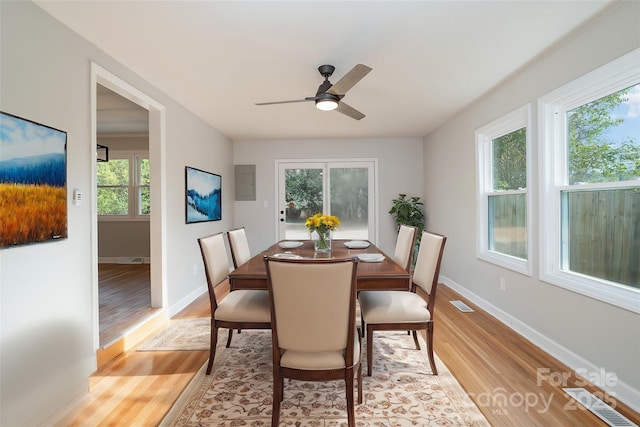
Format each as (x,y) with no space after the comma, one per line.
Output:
(382,273)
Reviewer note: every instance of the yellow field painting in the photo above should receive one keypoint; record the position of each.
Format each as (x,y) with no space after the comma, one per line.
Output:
(32,213)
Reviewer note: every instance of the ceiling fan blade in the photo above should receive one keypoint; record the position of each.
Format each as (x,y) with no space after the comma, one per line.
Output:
(349,80)
(285,102)
(349,111)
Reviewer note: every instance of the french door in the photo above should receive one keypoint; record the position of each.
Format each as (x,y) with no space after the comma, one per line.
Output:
(342,188)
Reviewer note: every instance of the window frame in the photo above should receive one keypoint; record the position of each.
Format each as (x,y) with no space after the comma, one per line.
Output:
(134,158)
(552,108)
(484,136)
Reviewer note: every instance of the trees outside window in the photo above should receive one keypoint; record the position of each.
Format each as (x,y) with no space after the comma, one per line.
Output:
(341,188)
(600,225)
(590,186)
(503,196)
(123,186)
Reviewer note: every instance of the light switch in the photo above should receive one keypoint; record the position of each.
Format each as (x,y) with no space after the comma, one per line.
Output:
(78,197)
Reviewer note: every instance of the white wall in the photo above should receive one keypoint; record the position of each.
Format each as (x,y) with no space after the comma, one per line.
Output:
(46,303)
(584,333)
(400,171)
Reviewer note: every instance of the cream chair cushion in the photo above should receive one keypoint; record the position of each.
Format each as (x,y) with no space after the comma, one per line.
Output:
(428,261)
(214,255)
(393,307)
(319,360)
(404,245)
(244,306)
(296,310)
(239,246)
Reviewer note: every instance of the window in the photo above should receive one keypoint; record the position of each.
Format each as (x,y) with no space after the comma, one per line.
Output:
(503,196)
(590,200)
(123,186)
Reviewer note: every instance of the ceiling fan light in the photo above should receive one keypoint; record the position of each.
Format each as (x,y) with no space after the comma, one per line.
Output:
(326,104)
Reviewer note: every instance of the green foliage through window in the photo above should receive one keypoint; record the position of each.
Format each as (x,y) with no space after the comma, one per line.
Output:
(595,153)
(116,183)
(510,161)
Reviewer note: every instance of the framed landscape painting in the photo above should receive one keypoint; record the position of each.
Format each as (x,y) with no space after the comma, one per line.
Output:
(33,182)
(203,195)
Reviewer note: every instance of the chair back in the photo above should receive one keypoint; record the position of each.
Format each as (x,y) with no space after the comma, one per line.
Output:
(239,245)
(216,264)
(312,304)
(427,269)
(403,254)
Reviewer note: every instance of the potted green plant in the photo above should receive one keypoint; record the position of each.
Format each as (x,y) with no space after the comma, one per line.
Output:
(408,211)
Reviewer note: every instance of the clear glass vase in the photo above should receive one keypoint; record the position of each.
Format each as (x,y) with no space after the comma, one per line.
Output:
(322,243)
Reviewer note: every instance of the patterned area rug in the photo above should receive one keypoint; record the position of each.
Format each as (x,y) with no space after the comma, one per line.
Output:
(401,391)
(182,334)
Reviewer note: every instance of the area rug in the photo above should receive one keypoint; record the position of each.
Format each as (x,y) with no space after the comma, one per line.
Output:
(181,334)
(402,391)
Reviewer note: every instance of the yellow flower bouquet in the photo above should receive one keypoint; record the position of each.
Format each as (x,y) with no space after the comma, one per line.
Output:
(323,225)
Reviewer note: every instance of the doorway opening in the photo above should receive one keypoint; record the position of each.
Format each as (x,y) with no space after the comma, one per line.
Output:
(128,247)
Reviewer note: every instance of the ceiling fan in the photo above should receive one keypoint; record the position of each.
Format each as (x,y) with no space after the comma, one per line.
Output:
(329,96)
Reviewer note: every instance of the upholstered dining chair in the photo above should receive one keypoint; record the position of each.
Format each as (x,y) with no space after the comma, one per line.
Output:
(241,309)
(403,253)
(239,246)
(313,325)
(406,310)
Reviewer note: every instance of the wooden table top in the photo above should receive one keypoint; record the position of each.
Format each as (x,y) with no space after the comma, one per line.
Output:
(370,275)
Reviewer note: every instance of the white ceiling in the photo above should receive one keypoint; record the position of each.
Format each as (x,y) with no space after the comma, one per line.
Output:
(430,59)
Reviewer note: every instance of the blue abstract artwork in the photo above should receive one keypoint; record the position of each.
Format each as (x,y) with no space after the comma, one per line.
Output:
(203,195)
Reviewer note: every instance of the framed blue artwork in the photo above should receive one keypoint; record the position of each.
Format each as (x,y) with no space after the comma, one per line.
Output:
(203,195)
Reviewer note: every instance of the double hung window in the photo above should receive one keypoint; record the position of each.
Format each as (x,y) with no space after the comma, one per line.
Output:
(590,195)
(503,195)
(123,186)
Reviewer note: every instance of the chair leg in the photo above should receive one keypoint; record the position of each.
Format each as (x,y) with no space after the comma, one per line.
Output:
(277,398)
(360,384)
(432,361)
(415,340)
(229,337)
(212,346)
(369,349)
(351,417)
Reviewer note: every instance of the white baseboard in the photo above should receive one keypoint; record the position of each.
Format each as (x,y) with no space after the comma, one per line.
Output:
(188,299)
(620,391)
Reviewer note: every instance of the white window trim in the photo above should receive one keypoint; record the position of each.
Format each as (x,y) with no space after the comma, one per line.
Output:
(484,135)
(612,77)
(134,178)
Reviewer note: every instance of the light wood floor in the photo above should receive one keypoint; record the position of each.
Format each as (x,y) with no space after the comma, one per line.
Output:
(492,363)
(125,298)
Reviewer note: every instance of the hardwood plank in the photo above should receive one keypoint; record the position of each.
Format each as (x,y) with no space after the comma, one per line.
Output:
(494,364)
(124,298)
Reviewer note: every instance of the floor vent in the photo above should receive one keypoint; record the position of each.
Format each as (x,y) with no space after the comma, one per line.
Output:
(462,306)
(603,411)
(130,260)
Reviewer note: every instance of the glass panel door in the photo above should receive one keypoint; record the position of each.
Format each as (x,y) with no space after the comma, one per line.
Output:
(300,195)
(347,191)
(351,199)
